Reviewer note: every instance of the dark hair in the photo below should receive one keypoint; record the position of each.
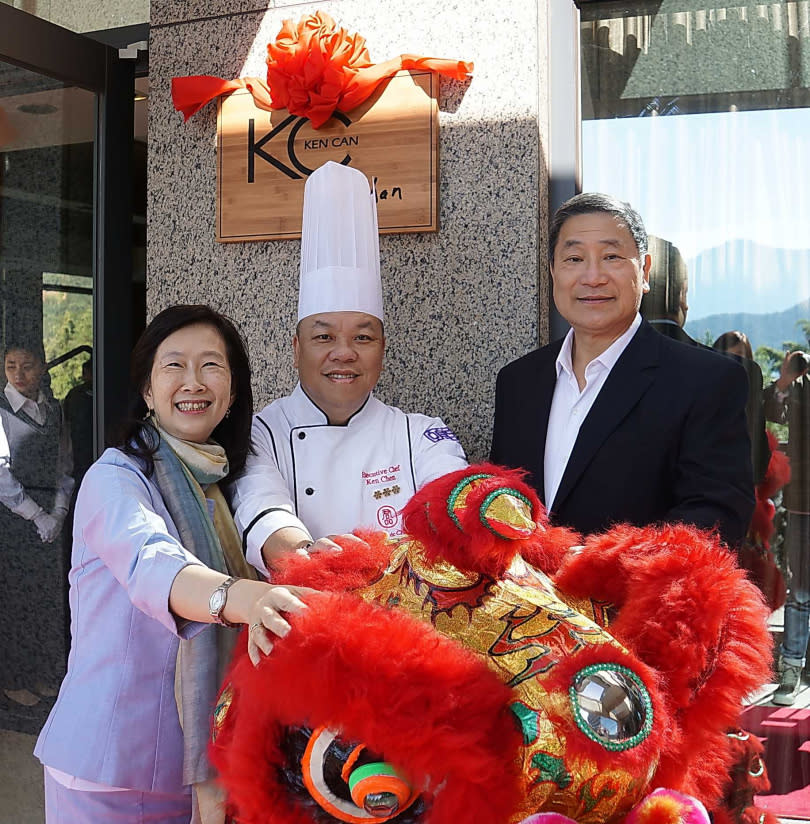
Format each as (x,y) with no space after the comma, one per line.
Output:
(34,348)
(729,340)
(139,438)
(590,202)
(668,275)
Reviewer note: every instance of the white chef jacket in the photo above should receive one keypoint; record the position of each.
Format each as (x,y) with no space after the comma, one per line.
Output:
(332,479)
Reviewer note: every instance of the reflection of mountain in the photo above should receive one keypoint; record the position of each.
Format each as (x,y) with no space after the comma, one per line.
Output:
(743,276)
(769,329)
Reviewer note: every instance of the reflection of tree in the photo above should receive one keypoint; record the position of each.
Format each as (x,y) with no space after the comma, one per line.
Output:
(769,359)
(756,57)
(67,321)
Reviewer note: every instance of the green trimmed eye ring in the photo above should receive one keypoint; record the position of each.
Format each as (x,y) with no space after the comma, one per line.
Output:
(368,770)
(460,487)
(380,789)
(482,510)
(611,706)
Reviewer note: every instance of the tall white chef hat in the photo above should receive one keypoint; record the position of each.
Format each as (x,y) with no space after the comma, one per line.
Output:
(340,249)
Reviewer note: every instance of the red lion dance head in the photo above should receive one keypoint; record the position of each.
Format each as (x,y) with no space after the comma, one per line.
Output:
(488,667)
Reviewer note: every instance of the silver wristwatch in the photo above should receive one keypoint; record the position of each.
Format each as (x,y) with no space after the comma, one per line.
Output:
(217,601)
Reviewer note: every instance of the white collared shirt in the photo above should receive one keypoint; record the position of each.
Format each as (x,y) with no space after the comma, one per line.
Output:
(570,407)
(31,408)
(13,431)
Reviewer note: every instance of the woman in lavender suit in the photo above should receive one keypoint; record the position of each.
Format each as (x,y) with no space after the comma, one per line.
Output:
(157,582)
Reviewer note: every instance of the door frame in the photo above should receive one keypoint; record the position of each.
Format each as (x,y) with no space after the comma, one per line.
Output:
(565,178)
(43,47)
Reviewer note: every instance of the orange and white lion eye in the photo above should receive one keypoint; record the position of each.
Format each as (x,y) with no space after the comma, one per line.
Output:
(379,789)
(351,783)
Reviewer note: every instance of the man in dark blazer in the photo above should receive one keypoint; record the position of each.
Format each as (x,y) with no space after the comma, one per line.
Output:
(665,307)
(617,423)
(665,303)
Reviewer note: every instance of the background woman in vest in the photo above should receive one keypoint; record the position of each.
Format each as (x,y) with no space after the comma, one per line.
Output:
(35,487)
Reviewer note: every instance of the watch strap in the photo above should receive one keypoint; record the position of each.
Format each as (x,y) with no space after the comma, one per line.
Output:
(216,614)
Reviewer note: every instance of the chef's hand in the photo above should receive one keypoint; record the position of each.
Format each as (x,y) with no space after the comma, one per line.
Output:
(329,542)
(325,544)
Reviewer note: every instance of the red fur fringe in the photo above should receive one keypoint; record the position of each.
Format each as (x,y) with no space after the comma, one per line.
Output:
(777,475)
(354,567)
(429,706)
(550,548)
(778,472)
(473,547)
(689,612)
(748,778)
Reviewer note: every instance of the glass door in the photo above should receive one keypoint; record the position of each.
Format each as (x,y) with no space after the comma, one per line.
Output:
(47,138)
(698,114)
(66,107)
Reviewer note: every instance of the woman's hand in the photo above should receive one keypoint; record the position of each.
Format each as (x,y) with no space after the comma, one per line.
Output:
(258,604)
(265,618)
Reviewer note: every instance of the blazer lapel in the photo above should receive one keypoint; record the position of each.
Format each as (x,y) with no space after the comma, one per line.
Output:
(540,405)
(628,381)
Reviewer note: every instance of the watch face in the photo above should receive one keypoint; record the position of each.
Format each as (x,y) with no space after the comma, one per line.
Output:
(217,601)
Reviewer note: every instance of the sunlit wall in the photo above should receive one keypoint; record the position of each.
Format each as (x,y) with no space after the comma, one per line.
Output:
(460,303)
(86,15)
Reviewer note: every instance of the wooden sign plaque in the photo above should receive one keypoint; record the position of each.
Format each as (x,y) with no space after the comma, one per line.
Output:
(265,158)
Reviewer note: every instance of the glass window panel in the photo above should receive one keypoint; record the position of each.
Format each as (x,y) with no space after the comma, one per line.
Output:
(699,116)
(46,406)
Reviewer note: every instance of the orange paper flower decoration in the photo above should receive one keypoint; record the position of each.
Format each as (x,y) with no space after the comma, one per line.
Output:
(313,69)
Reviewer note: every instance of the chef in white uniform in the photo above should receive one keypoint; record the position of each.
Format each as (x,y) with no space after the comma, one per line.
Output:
(330,457)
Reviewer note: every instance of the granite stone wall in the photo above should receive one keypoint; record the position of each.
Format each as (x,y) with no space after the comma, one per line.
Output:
(87,15)
(460,303)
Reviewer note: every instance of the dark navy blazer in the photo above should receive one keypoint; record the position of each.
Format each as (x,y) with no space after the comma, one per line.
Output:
(665,440)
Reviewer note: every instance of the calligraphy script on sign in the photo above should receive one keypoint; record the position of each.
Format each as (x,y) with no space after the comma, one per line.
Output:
(265,158)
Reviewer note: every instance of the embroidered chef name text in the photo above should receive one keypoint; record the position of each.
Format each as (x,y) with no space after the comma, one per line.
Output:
(381,476)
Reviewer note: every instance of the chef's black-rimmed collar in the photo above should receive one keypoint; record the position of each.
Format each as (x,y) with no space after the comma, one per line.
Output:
(306,409)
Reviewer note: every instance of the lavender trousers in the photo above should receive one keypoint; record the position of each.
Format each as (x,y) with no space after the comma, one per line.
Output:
(67,806)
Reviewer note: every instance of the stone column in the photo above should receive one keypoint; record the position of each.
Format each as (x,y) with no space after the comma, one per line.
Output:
(460,303)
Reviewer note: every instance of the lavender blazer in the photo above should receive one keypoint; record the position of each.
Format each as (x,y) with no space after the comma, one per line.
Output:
(115,720)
